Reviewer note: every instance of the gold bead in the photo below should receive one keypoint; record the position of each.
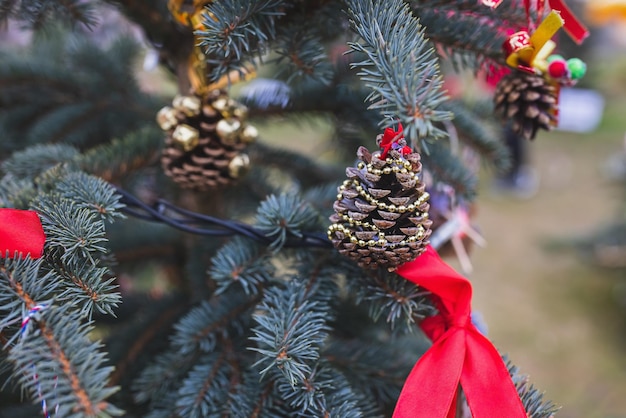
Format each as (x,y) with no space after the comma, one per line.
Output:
(249,134)
(371,243)
(382,205)
(374,202)
(411,207)
(382,242)
(389,161)
(228,130)
(360,166)
(185,137)
(240,111)
(224,105)
(359,188)
(339,196)
(412,239)
(362,243)
(166,118)
(391,207)
(401,209)
(354,240)
(357,223)
(342,187)
(189,105)
(239,166)
(386,170)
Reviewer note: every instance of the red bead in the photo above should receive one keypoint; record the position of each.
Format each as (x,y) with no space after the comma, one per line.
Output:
(558,69)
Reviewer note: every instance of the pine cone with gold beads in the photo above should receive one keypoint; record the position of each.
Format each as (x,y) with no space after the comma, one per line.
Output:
(205,140)
(528,100)
(381,211)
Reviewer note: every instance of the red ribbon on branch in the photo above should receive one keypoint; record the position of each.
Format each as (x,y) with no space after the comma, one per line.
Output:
(574,28)
(21,232)
(459,354)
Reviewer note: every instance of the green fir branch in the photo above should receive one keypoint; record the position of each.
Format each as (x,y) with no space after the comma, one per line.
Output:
(400,66)
(476,133)
(37,13)
(236,31)
(33,161)
(69,90)
(117,158)
(389,296)
(241,261)
(446,168)
(280,217)
(289,332)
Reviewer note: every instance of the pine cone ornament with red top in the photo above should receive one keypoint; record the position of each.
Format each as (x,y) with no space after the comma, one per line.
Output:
(381,211)
(528,100)
(206,137)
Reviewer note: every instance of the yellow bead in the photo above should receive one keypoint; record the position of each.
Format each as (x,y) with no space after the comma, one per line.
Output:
(186,137)
(354,240)
(391,208)
(166,118)
(362,243)
(411,207)
(404,171)
(249,134)
(389,161)
(401,209)
(239,166)
(339,196)
(371,243)
(342,187)
(189,105)
(228,130)
(386,170)
(382,205)
(239,111)
(360,166)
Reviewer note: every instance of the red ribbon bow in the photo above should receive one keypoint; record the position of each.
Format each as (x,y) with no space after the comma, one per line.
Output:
(459,354)
(391,137)
(21,231)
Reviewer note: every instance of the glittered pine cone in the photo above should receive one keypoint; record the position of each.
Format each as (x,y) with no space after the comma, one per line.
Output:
(528,100)
(205,140)
(381,211)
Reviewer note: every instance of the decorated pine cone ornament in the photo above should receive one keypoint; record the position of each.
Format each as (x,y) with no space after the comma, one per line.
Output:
(381,212)
(528,100)
(205,139)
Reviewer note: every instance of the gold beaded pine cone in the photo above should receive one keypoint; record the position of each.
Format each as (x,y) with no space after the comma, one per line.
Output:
(206,136)
(528,100)
(381,217)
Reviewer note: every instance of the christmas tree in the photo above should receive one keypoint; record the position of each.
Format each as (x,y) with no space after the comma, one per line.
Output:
(190,268)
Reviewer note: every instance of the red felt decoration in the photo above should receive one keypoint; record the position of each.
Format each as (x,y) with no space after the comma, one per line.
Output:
(391,138)
(21,232)
(460,354)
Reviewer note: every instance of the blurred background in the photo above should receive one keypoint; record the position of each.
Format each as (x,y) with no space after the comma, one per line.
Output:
(551,282)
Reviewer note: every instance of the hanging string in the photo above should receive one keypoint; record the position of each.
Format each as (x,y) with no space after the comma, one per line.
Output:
(30,315)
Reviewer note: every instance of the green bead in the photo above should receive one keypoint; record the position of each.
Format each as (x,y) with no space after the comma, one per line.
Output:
(577,68)
(555,57)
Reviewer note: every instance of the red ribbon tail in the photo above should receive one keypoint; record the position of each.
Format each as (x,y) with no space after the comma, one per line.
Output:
(486,382)
(21,232)
(574,28)
(430,389)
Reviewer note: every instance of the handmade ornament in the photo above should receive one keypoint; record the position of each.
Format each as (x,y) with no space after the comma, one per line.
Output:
(205,139)
(381,211)
(460,354)
(21,233)
(528,96)
(453,232)
(529,101)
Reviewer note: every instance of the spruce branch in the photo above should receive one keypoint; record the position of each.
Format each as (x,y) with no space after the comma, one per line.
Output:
(117,158)
(532,399)
(388,295)
(65,89)
(237,30)
(241,261)
(33,161)
(475,132)
(400,66)
(37,13)
(445,167)
(69,367)
(279,217)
